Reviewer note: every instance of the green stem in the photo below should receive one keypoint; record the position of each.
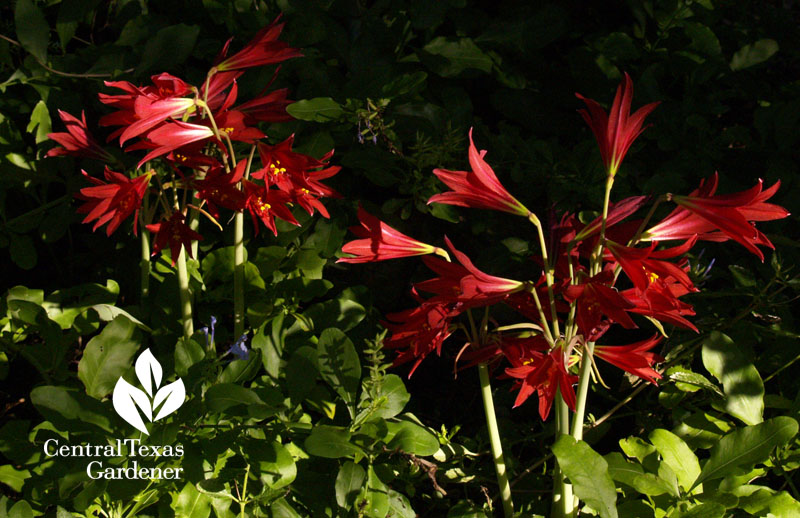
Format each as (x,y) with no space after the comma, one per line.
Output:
(243,500)
(583,391)
(494,439)
(238,274)
(144,262)
(562,495)
(185,294)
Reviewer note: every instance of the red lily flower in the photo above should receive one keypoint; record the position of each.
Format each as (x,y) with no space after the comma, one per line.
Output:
(719,217)
(419,331)
(232,123)
(77,141)
(660,302)
(285,168)
(544,374)
(463,282)
(645,265)
(112,202)
(265,204)
(263,49)
(635,358)
(221,188)
(267,108)
(616,213)
(478,188)
(616,131)
(151,113)
(172,136)
(379,242)
(597,299)
(175,234)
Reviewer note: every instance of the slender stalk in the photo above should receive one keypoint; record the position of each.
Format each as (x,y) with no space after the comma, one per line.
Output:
(494,439)
(583,391)
(185,294)
(243,501)
(562,493)
(144,261)
(238,262)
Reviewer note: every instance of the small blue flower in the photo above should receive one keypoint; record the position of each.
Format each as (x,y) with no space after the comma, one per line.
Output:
(210,343)
(239,349)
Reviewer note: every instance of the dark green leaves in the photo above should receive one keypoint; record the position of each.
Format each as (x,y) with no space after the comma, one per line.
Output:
(107,356)
(339,365)
(319,109)
(169,47)
(32,29)
(753,54)
(744,390)
(330,442)
(449,58)
(746,446)
(588,473)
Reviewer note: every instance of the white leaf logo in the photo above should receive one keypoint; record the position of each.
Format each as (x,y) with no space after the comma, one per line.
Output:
(127,398)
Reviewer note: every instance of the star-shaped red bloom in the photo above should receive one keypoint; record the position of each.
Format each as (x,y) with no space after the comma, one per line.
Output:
(114,201)
(175,234)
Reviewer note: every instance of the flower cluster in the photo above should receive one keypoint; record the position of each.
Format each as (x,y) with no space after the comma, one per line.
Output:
(195,132)
(608,271)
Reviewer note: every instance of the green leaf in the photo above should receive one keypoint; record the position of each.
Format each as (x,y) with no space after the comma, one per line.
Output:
(187,353)
(21,509)
(348,484)
(704,510)
(395,395)
(634,475)
(339,365)
(302,372)
(412,438)
(377,497)
(223,396)
(677,455)
(588,473)
(191,503)
(40,121)
(22,251)
(449,58)
(64,306)
(689,381)
(399,506)
(71,410)
(747,446)
(704,41)
(33,32)
(169,47)
(636,448)
(107,356)
(318,109)
(13,477)
(744,390)
(271,462)
(753,54)
(331,442)
(701,430)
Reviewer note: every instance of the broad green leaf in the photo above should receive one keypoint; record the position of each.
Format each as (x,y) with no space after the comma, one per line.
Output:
(331,442)
(377,497)
(21,509)
(399,506)
(701,430)
(677,455)
(689,381)
(318,109)
(271,462)
(705,510)
(393,395)
(302,372)
(449,58)
(636,448)
(747,446)
(13,477)
(341,313)
(703,39)
(40,122)
(339,365)
(187,353)
(588,473)
(169,47)
(634,475)
(464,509)
(760,500)
(412,438)
(107,356)
(348,484)
(281,509)
(191,503)
(753,54)
(744,390)
(70,13)
(223,396)
(63,306)
(71,410)
(107,313)
(33,32)
(22,251)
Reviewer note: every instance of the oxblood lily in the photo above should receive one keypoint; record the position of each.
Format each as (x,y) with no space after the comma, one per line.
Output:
(660,302)
(478,188)
(265,204)
(720,217)
(267,108)
(232,123)
(285,168)
(221,188)
(150,114)
(419,331)
(263,49)
(174,135)
(379,242)
(175,234)
(112,202)
(597,299)
(645,265)
(544,374)
(634,358)
(77,141)
(463,282)
(616,131)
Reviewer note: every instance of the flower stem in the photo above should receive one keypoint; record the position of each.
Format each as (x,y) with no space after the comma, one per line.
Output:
(185,294)
(494,439)
(583,391)
(562,495)
(144,262)
(238,274)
